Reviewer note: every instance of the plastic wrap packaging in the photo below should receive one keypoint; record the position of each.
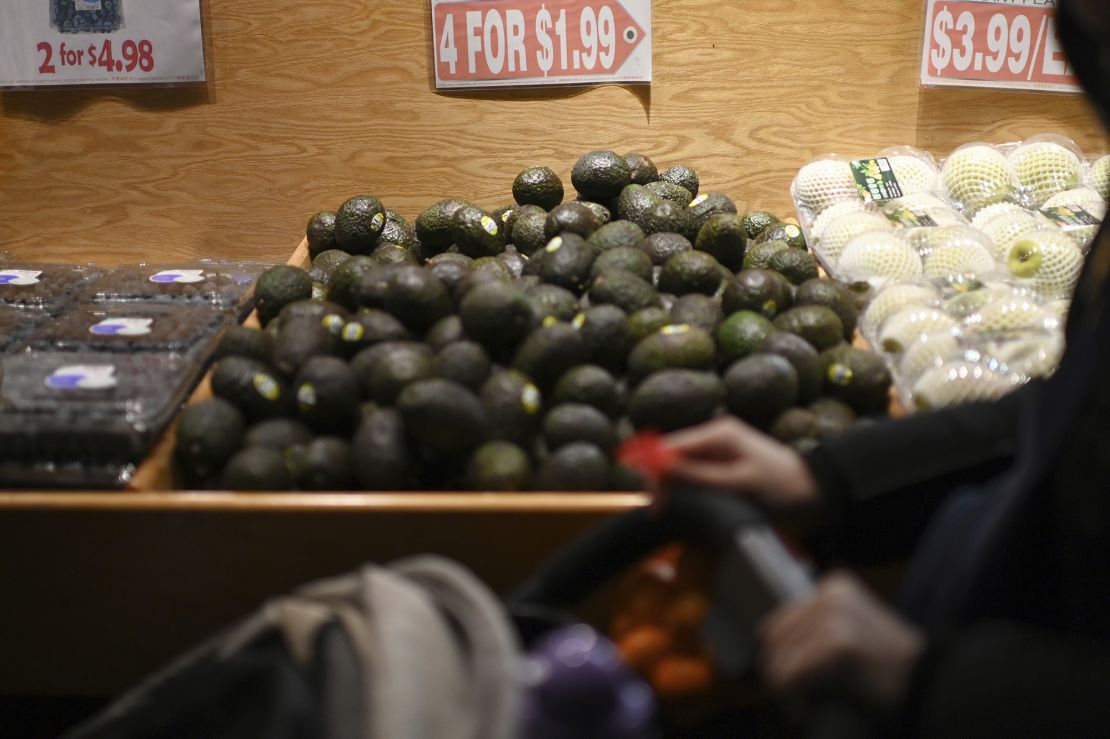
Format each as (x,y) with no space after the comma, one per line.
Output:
(224,285)
(15,326)
(983,245)
(86,16)
(85,419)
(44,287)
(122,327)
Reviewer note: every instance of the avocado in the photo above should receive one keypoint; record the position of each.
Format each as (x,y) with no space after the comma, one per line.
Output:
(676,398)
(256,390)
(256,468)
(644,323)
(795,265)
(690,272)
(668,217)
(788,232)
(600,175)
(818,325)
(416,297)
(761,290)
(279,286)
(761,386)
(476,233)
(385,369)
(380,451)
(661,247)
(551,301)
(443,417)
(574,218)
(795,425)
(240,341)
(672,347)
(834,417)
(445,331)
(636,203)
(549,351)
(341,286)
(707,205)
(433,226)
(624,290)
(603,214)
(208,434)
(832,295)
(465,362)
(806,361)
(608,338)
(643,170)
(616,234)
(741,333)
(624,258)
(758,256)
(496,315)
(575,422)
(723,237)
(591,385)
(478,277)
(321,233)
(683,177)
(325,263)
(327,395)
(757,221)
(399,231)
(392,254)
(325,463)
(369,327)
(299,341)
(529,233)
(278,433)
(669,191)
(323,311)
(566,261)
(369,289)
(538,186)
(857,377)
(513,261)
(499,466)
(358,224)
(577,467)
(698,310)
(512,404)
(628,479)
(450,272)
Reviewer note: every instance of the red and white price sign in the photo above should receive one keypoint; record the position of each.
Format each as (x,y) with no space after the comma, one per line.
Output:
(1008,44)
(517,43)
(47,43)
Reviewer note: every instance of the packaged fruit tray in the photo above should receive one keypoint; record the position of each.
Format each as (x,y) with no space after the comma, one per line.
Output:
(127,327)
(85,418)
(222,285)
(990,240)
(43,287)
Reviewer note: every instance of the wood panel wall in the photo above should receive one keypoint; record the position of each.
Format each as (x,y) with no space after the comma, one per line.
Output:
(314,101)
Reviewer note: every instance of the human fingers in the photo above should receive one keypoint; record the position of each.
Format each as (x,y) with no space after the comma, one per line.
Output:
(717,474)
(714,438)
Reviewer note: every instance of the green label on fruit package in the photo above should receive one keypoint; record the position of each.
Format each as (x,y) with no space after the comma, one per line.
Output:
(1070,217)
(875,179)
(907,218)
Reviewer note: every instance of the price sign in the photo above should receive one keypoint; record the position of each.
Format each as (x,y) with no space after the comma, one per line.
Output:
(98,42)
(1009,44)
(509,43)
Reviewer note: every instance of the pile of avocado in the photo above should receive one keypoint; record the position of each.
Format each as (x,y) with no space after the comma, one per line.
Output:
(515,349)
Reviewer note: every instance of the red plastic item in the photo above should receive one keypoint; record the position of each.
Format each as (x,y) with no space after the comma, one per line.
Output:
(648,453)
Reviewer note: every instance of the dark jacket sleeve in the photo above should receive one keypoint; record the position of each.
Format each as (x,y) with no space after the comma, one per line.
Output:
(1001,679)
(881,484)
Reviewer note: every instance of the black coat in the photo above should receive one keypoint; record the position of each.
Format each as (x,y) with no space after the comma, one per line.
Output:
(1004,509)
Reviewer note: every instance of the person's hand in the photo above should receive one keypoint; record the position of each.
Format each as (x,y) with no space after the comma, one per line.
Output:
(841,639)
(728,453)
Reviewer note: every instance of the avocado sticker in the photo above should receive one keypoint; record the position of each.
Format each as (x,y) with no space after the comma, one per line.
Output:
(267,386)
(353,332)
(579,321)
(83,377)
(333,323)
(377,222)
(671,330)
(554,244)
(122,327)
(530,399)
(489,225)
(698,200)
(306,396)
